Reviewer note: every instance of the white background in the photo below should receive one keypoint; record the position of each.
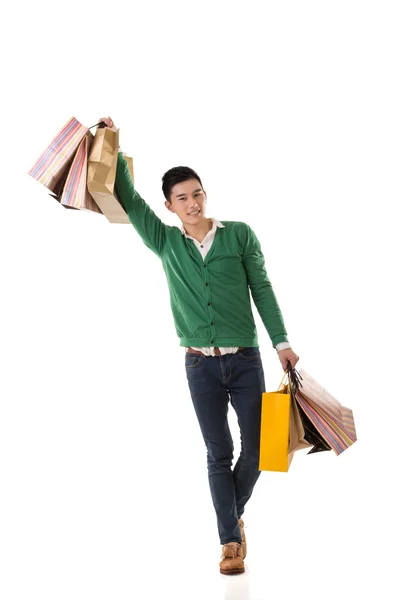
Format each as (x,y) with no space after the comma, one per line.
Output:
(289,112)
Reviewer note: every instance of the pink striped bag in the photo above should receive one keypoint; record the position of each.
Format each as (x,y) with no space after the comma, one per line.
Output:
(75,193)
(53,164)
(334,422)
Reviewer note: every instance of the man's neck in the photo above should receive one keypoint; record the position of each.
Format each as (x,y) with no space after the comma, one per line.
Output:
(200,230)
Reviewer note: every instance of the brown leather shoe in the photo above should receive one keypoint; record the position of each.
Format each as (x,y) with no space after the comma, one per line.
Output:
(232,559)
(244,543)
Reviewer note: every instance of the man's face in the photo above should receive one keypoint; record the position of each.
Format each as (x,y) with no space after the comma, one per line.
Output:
(185,198)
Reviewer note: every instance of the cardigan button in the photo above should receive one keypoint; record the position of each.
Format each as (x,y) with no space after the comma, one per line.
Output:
(209,304)
(207,283)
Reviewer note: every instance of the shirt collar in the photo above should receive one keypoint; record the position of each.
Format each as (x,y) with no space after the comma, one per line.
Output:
(216,224)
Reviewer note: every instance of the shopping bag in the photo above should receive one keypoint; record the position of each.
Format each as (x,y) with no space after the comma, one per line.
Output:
(297,433)
(75,193)
(274,435)
(309,433)
(102,168)
(333,422)
(51,168)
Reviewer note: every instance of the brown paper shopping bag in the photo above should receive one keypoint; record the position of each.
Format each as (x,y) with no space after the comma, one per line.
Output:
(102,167)
(297,439)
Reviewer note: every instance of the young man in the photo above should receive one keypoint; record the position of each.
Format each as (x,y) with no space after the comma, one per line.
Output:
(210,266)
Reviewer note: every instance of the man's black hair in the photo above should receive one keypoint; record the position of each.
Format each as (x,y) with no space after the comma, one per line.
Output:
(177,175)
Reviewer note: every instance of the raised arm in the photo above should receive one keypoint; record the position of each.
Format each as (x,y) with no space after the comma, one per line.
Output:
(148,225)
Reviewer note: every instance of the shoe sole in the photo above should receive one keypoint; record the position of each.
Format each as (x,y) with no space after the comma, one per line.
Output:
(233,572)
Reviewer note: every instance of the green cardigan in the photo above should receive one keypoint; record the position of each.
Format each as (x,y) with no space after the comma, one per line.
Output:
(210,299)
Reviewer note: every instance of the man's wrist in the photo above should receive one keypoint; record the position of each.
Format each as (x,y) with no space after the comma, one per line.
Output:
(282,346)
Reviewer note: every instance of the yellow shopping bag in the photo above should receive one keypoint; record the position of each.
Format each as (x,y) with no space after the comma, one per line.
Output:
(275,423)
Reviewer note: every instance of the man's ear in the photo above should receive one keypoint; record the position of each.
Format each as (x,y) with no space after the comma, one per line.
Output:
(169,206)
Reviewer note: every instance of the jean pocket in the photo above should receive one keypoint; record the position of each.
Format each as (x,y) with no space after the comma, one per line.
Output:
(192,360)
(250,353)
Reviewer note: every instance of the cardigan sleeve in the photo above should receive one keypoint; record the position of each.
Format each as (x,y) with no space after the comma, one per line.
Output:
(261,288)
(148,225)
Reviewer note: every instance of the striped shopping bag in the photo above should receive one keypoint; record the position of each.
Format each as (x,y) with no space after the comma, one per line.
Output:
(53,164)
(62,167)
(75,193)
(333,422)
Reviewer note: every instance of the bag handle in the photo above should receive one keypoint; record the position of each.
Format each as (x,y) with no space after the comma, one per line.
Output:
(100,125)
(284,375)
(294,377)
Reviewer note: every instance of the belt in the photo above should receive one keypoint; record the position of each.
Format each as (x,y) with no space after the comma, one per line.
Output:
(217,351)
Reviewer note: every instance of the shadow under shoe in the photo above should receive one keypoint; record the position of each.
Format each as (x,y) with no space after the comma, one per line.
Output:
(232,559)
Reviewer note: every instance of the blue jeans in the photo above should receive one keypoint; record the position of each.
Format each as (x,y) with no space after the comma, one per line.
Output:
(213,381)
